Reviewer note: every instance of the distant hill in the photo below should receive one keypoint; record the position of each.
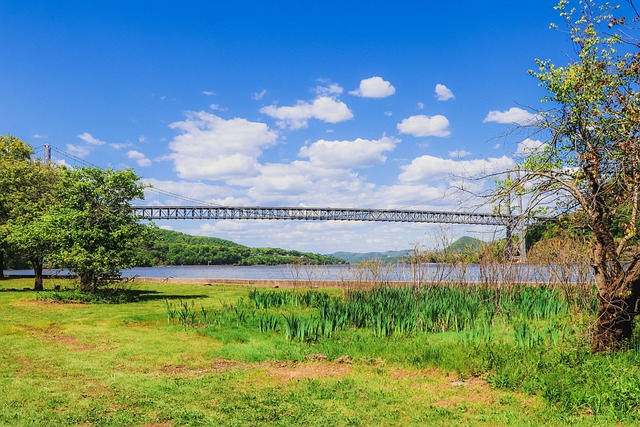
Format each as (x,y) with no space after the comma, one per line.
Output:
(174,248)
(355,257)
(464,245)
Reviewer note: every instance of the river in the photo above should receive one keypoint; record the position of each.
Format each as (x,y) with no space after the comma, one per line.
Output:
(373,272)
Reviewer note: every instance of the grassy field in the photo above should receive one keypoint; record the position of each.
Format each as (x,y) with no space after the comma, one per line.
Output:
(148,363)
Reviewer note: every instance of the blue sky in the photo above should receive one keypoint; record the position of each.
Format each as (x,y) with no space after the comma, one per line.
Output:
(283,103)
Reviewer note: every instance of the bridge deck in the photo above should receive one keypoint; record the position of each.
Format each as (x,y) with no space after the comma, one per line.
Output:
(319,214)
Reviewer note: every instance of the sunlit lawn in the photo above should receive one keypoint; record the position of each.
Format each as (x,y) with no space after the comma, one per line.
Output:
(124,364)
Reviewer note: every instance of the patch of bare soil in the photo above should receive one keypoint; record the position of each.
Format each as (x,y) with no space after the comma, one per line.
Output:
(472,390)
(52,333)
(289,371)
(217,365)
(27,367)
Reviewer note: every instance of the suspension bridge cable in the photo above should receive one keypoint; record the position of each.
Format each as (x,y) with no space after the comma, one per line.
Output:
(180,197)
(71,156)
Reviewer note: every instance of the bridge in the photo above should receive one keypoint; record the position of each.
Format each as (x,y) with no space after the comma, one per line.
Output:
(320,214)
(510,222)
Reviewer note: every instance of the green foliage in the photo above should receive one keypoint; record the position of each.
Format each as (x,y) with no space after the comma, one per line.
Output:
(174,248)
(97,231)
(105,295)
(27,191)
(589,161)
(14,148)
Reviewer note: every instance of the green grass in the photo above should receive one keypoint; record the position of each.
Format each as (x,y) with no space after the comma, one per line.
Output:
(131,364)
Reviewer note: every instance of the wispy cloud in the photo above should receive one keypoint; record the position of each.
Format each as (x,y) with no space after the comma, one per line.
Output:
(259,95)
(77,150)
(90,139)
(139,157)
(459,154)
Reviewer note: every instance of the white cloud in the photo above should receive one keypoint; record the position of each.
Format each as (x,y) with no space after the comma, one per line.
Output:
(512,115)
(374,87)
(359,153)
(388,113)
(422,125)
(443,93)
(427,167)
(259,95)
(89,139)
(459,153)
(77,150)
(210,147)
(323,108)
(217,107)
(420,105)
(530,146)
(142,139)
(139,157)
(38,136)
(331,90)
(208,93)
(121,145)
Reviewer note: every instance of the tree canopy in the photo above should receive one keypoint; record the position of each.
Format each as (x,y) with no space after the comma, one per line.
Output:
(98,233)
(589,162)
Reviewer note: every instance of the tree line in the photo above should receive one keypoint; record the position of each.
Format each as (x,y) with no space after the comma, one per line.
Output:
(174,248)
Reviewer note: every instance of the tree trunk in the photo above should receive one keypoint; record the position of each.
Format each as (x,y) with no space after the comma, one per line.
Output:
(37,272)
(87,283)
(1,264)
(617,308)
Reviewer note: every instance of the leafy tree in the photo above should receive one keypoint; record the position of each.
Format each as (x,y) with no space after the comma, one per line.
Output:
(99,233)
(590,161)
(11,148)
(28,191)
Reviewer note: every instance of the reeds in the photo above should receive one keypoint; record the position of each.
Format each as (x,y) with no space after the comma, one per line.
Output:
(408,310)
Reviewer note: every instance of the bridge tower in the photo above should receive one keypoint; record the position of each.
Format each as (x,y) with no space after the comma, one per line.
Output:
(516,250)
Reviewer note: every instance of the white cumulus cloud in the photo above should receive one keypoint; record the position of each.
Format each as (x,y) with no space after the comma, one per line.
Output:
(89,139)
(422,125)
(213,148)
(443,93)
(374,87)
(512,115)
(359,153)
(297,116)
(427,167)
(139,157)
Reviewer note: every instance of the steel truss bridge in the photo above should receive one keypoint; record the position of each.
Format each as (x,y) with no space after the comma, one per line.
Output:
(322,214)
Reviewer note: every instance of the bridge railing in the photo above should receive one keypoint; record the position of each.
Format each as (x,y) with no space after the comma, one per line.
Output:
(321,214)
